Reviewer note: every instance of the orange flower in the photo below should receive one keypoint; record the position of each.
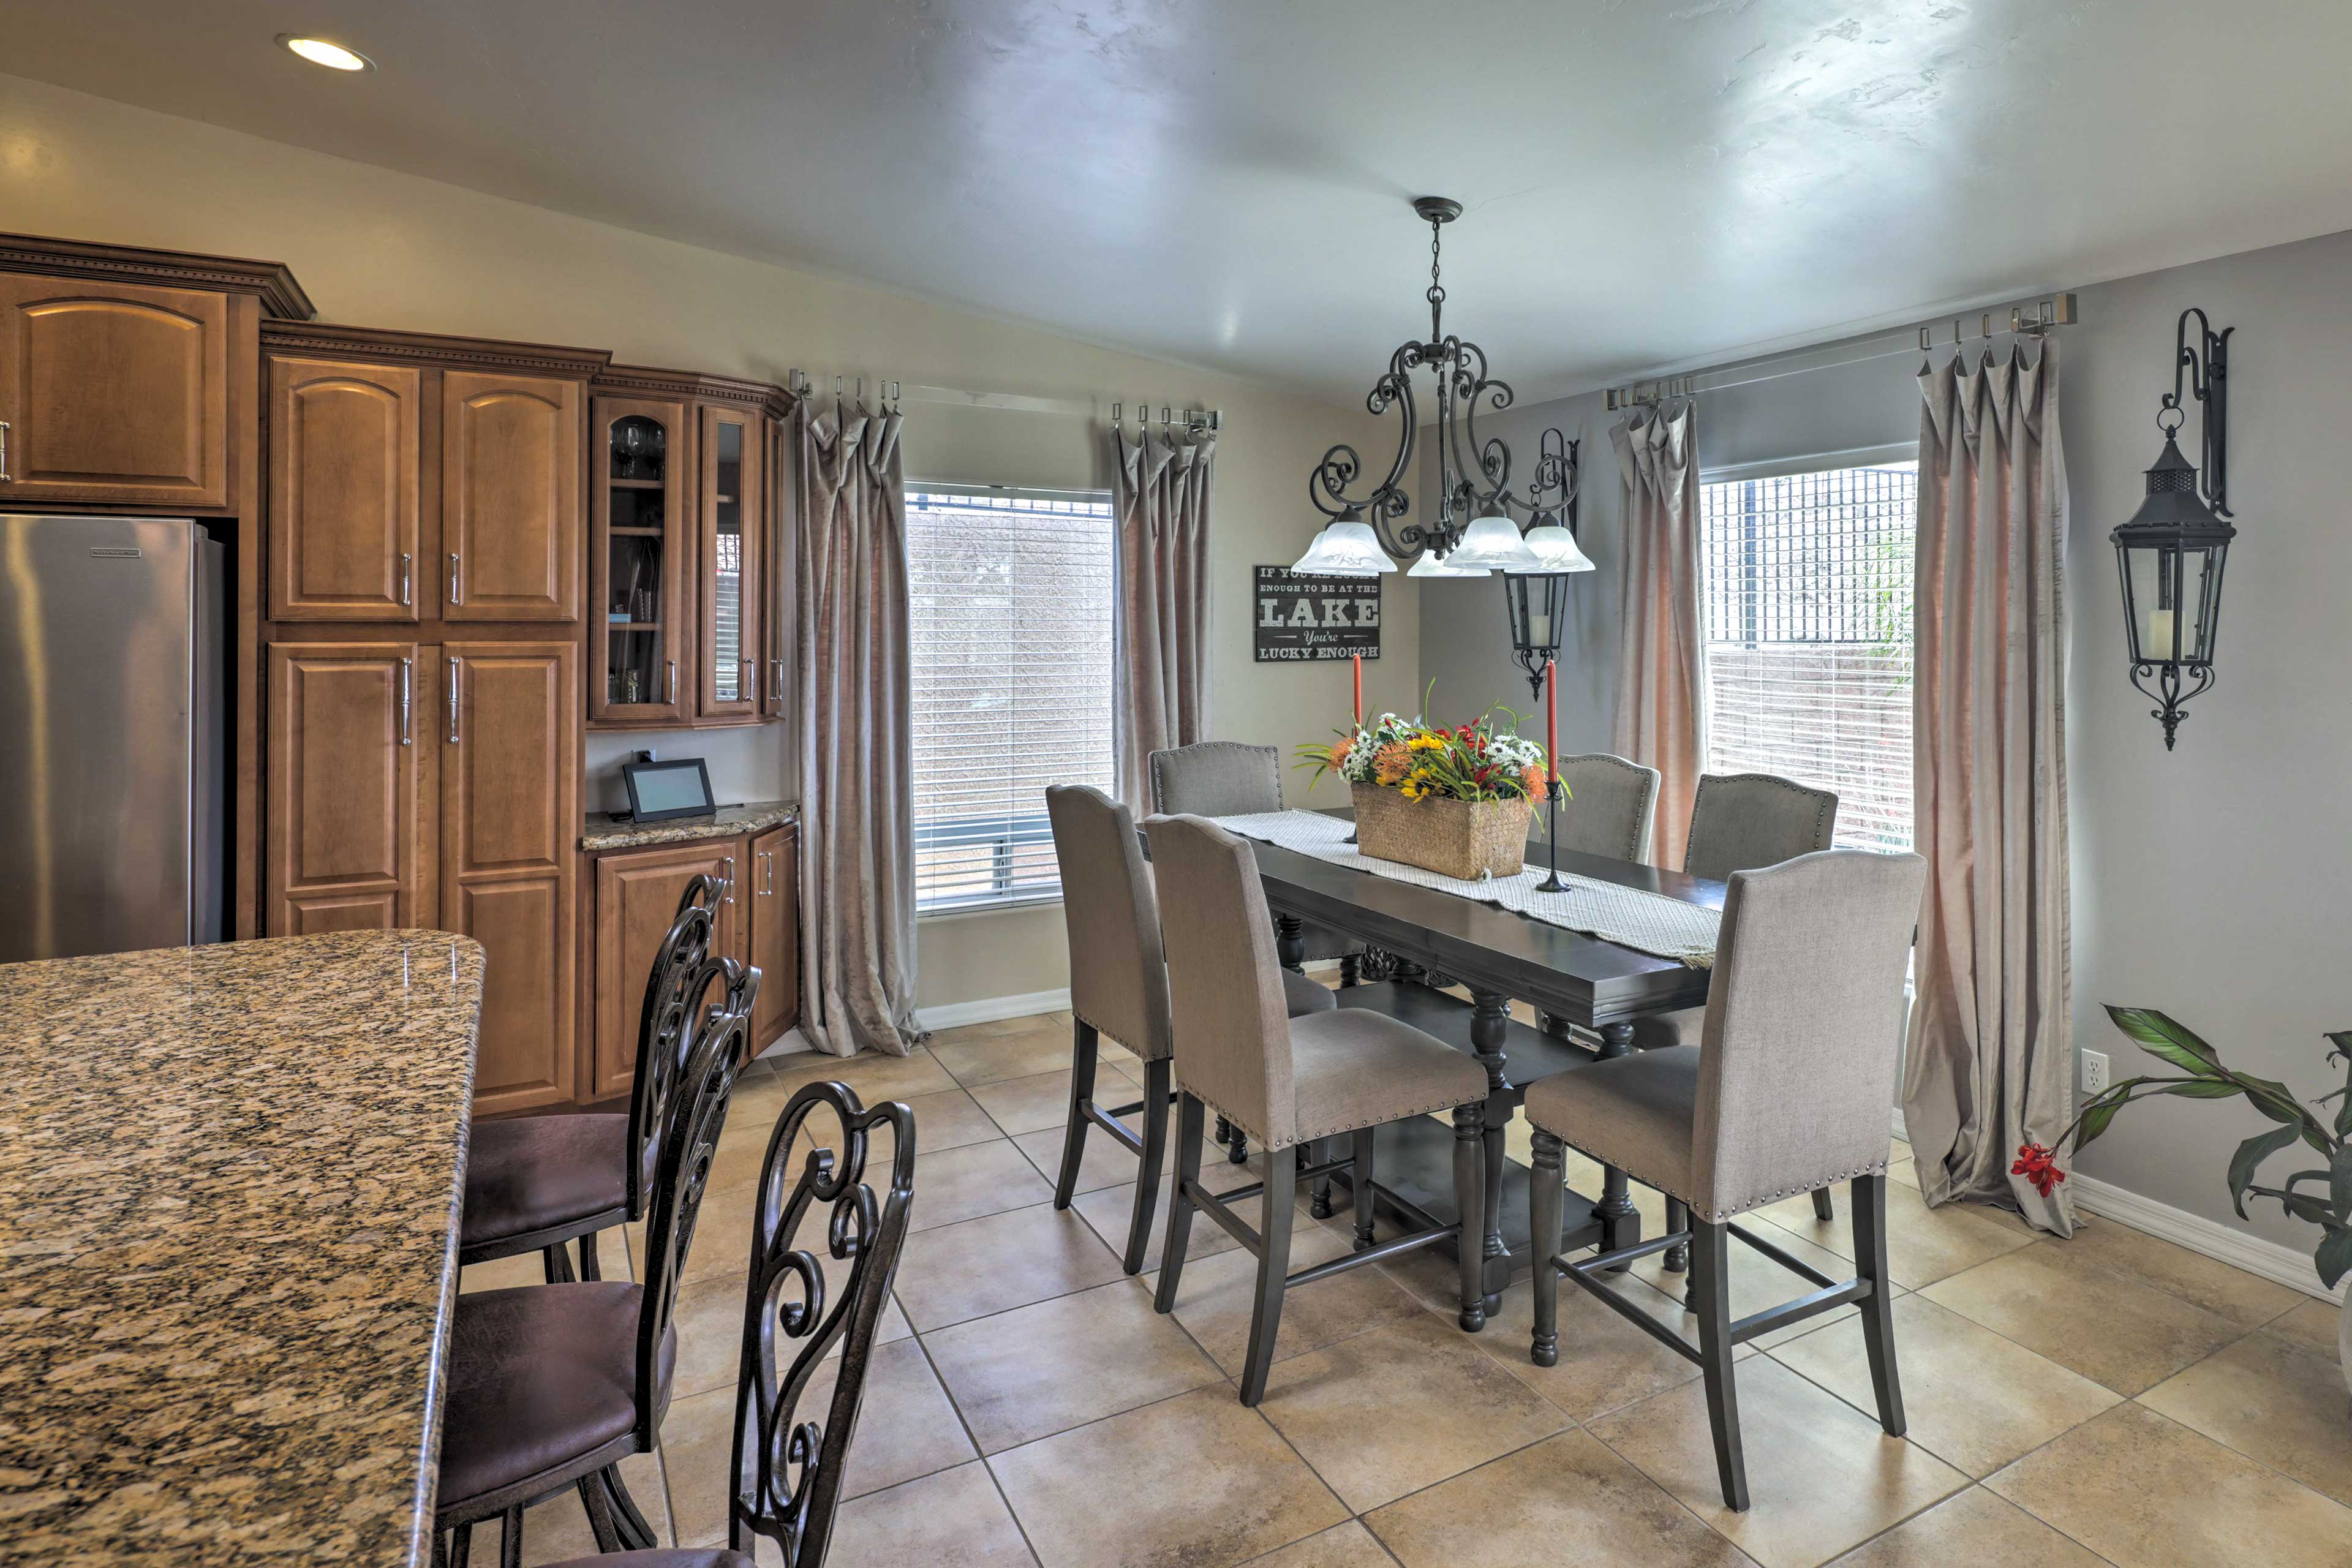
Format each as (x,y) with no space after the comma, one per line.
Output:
(1339,753)
(1392,763)
(1533,778)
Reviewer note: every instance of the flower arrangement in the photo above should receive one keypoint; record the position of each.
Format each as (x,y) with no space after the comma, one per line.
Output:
(1473,762)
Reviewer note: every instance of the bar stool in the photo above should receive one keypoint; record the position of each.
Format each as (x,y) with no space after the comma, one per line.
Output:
(1788,1093)
(533,1183)
(552,1385)
(1288,1082)
(1119,987)
(788,1291)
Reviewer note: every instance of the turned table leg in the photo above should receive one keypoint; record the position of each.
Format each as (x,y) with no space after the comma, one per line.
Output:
(1620,1224)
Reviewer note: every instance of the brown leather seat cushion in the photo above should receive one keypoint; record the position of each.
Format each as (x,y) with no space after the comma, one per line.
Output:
(1301,995)
(692,1557)
(538,1376)
(533,1172)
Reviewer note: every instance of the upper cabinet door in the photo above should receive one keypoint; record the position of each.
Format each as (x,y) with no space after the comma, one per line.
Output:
(348,727)
(511,523)
(343,477)
(733,535)
(776,560)
(641,545)
(112,395)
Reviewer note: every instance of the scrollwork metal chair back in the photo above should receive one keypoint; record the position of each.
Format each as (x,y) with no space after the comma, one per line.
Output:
(665,1032)
(688,1145)
(788,1472)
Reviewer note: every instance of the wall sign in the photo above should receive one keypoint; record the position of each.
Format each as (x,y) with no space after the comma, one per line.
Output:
(1303,617)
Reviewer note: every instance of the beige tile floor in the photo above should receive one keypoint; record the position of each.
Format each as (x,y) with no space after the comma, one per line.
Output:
(2109,1399)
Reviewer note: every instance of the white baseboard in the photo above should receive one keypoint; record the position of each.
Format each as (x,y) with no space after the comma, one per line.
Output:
(2266,1259)
(989,1009)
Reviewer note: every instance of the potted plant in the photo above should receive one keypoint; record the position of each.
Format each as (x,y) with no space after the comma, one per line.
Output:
(1453,801)
(2320,1194)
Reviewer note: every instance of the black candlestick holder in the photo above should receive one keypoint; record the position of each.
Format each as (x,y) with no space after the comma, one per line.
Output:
(1552,884)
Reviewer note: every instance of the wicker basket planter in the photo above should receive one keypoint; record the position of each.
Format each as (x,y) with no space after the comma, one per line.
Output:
(1461,838)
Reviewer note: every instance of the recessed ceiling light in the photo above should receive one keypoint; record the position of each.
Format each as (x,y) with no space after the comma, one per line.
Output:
(320,52)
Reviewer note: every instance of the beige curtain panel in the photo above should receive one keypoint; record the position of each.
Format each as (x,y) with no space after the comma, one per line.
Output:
(1661,681)
(1991,1051)
(857,848)
(1160,488)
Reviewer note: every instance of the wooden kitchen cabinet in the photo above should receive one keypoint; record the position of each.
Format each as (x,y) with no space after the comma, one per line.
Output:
(773,881)
(641,550)
(510,474)
(114,394)
(732,540)
(345,473)
(637,898)
(509,765)
(347,780)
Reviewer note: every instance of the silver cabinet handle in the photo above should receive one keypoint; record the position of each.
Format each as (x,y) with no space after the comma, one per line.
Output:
(405,596)
(456,581)
(453,699)
(776,669)
(5,476)
(747,675)
(672,682)
(727,888)
(770,857)
(404,702)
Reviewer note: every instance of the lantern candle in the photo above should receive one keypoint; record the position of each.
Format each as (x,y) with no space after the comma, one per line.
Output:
(2157,644)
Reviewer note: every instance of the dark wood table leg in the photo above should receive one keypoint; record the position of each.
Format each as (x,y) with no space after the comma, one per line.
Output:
(1621,1223)
(1490,1015)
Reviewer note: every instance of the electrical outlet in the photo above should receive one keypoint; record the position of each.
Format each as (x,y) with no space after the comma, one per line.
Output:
(2094,1071)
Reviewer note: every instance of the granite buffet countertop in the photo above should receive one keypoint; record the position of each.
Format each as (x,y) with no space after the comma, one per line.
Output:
(230,1179)
(605,831)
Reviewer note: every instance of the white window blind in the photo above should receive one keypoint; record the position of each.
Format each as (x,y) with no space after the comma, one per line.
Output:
(1809,585)
(1012,641)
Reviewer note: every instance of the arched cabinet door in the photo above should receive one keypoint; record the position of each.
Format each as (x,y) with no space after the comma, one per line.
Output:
(343,480)
(510,518)
(112,395)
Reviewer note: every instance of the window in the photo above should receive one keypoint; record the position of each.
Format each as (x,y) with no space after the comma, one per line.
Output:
(1011,634)
(1808,582)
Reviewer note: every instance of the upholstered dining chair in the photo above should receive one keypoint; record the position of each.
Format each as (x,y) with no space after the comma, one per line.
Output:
(1786,1092)
(1288,1082)
(552,1385)
(534,1182)
(1119,987)
(788,1471)
(1612,803)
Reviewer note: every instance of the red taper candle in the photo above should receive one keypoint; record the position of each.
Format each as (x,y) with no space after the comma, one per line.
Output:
(1358,661)
(1551,716)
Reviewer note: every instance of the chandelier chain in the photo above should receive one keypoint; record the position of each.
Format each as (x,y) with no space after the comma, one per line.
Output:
(1436,289)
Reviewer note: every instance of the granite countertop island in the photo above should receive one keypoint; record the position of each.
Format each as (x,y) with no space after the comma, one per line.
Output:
(605,831)
(230,1179)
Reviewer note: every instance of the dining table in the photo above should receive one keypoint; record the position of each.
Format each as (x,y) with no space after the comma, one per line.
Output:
(1427,938)
(230,1181)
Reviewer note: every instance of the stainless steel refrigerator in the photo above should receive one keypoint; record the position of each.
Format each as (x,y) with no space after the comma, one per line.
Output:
(112,736)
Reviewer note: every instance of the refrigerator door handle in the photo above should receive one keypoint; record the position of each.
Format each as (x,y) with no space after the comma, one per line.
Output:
(453,663)
(405,739)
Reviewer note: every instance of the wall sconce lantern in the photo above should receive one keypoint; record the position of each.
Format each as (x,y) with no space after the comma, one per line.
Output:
(1537,595)
(2172,551)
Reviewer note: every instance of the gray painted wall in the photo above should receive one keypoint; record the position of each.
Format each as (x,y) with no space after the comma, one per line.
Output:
(2209,882)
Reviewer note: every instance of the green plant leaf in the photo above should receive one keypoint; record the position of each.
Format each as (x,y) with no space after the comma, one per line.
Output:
(2339,1183)
(2250,1154)
(2334,1259)
(2213,1088)
(2095,1118)
(2159,1035)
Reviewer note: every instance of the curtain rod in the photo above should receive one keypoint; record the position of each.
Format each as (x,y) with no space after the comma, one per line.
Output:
(2033,320)
(1017,403)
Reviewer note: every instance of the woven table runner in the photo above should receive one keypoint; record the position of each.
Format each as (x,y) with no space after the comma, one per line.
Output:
(1647,922)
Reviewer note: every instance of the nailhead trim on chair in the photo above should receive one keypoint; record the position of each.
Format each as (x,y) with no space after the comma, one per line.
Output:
(1114,1040)
(1712,1217)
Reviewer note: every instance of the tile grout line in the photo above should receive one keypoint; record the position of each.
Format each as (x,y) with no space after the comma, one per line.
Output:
(973,1438)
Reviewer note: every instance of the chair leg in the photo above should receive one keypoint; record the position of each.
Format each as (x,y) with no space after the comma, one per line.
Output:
(1470,1153)
(1822,1209)
(1318,1200)
(1711,1294)
(1157,1075)
(510,1538)
(1280,1206)
(636,1534)
(1359,1177)
(557,1263)
(1677,1258)
(1190,1114)
(440,1547)
(1545,1198)
(589,1267)
(600,1513)
(1878,1306)
(1237,1149)
(461,1546)
(1086,1046)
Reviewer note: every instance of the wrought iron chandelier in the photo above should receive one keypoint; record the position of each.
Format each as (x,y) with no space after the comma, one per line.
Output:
(1476,530)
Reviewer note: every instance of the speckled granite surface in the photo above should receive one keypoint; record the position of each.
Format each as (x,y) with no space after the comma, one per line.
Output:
(229,1185)
(606,832)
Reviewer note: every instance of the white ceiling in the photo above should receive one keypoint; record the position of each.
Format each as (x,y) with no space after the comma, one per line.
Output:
(1650,183)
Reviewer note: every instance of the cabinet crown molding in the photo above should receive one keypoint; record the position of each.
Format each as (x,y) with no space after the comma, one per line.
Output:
(270,281)
(333,340)
(651,381)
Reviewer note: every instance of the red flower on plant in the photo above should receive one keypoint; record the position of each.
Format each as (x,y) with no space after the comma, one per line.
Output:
(2039,1166)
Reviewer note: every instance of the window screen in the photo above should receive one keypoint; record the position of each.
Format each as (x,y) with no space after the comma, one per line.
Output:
(1808,583)
(1012,641)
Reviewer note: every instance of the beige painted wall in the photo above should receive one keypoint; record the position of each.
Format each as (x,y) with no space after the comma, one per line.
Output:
(387,249)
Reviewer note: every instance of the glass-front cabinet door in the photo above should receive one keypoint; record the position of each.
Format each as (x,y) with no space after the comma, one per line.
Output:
(642,561)
(732,545)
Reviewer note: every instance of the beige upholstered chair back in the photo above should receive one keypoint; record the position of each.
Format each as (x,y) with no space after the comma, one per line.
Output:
(1225,985)
(1804,1027)
(1743,821)
(1217,778)
(1610,805)
(1119,980)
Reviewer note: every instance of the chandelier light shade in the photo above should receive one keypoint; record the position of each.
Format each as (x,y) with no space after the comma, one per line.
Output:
(1426,564)
(1554,548)
(1346,548)
(2171,554)
(1493,544)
